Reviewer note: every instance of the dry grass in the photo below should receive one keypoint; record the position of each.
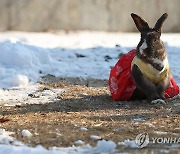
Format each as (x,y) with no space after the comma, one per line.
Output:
(89,105)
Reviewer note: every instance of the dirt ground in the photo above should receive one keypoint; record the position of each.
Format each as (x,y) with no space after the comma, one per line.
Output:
(87,103)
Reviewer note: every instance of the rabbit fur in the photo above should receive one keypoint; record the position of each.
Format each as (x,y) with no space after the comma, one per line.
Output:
(150,67)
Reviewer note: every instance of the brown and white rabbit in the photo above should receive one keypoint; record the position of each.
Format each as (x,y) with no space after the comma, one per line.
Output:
(150,68)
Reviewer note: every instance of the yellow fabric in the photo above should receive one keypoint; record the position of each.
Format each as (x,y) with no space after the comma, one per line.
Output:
(149,72)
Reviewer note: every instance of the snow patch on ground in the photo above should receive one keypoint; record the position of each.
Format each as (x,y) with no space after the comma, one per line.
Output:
(138,119)
(21,63)
(6,139)
(160,132)
(79,142)
(9,144)
(129,143)
(104,146)
(26,133)
(20,80)
(28,95)
(95,137)
(83,129)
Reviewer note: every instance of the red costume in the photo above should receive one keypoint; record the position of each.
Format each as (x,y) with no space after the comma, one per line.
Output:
(121,82)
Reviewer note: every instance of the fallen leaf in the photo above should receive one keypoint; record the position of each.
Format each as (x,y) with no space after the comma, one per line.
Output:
(2,120)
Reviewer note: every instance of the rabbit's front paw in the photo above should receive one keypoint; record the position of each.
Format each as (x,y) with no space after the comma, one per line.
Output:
(158,101)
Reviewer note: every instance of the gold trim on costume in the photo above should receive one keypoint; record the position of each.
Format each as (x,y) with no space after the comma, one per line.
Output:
(149,71)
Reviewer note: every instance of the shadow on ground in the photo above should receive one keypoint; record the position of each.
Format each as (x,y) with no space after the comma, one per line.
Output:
(93,96)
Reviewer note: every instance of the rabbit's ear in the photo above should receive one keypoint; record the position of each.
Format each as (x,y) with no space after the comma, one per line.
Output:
(141,24)
(160,22)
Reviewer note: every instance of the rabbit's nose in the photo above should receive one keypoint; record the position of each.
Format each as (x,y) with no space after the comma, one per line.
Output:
(151,35)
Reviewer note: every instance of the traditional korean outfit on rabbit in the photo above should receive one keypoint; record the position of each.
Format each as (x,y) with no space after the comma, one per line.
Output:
(121,82)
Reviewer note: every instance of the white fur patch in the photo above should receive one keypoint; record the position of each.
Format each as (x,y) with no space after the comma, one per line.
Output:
(163,63)
(157,101)
(158,73)
(142,47)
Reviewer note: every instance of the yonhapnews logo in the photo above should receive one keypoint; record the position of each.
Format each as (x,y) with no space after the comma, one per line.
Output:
(142,140)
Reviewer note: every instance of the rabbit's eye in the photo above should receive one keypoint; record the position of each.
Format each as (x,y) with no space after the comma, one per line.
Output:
(153,40)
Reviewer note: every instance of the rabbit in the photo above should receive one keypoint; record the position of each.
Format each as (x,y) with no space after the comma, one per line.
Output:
(150,67)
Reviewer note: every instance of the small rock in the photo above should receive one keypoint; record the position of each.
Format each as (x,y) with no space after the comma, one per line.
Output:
(79,55)
(30,95)
(46,88)
(48,76)
(18,105)
(120,55)
(117,46)
(107,58)
(33,96)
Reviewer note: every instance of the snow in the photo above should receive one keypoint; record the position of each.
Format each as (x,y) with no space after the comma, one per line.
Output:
(160,132)
(26,57)
(138,119)
(26,133)
(149,124)
(95,137)
(84,129)
(105,146)
(20,63)
(128,143)
(177,104)
(79,142)
(20,80)
(6,139)
(27,94)
(9,144)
